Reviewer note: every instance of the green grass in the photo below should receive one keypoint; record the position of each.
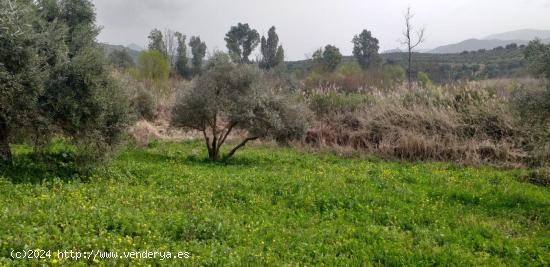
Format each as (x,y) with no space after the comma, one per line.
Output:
(278,206)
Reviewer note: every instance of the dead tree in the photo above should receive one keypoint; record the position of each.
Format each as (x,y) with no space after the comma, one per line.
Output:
(411,42)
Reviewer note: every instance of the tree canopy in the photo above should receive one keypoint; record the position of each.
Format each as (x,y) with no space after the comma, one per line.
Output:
(198,50)
(156,42)
(152,65)
(327,59)
(241,41)
(365,49)
(537,55)
(272,53)
(181,64)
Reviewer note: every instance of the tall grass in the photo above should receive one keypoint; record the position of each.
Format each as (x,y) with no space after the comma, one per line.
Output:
(471,123)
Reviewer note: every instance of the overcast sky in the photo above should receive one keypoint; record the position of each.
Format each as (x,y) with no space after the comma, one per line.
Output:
(304,25)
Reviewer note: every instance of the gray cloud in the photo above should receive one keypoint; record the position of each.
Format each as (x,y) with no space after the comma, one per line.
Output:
(304,25)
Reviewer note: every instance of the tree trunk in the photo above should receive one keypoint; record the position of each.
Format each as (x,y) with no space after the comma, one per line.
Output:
(410,69)
(5,152)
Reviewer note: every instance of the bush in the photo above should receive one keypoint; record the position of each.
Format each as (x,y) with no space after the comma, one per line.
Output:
(323,104)
(144,104)
(394,75)
(152,65)
(423,79)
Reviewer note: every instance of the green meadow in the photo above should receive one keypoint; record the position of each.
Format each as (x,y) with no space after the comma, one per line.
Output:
(272,206)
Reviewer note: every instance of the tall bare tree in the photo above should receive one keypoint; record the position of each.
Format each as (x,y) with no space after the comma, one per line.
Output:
(411,42)
(171,45)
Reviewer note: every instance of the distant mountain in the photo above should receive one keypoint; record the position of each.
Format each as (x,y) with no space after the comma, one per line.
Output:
(519,37)
(395,50)
(474,45)
(136,47)
(525,35)
(109,48)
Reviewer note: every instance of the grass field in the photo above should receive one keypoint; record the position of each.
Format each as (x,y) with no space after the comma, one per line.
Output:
(278,206)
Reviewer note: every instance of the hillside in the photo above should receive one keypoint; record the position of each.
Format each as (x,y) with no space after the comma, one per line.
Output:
(525,35)
(474,45)
(109,48)
(519,37)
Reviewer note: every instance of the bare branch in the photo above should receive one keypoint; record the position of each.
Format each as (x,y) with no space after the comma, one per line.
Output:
(421,38)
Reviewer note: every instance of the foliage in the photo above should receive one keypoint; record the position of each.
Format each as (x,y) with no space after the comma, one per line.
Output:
(181,59)
(229,97)
(327,59)
(537,55)
(423,79)
(153,65)
(241,41)
(272,53)
(277,207)
(156,42)
(365,50)
(393,75)
(20,71)
(144,103)
(323,104)
(198,49)
(121,59)
(76,97)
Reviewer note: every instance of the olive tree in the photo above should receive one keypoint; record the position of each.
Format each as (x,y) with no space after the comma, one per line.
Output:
(81,100)
(20,71)
(230,96)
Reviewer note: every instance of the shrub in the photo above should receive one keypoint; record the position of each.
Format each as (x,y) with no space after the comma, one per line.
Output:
(423,79)
(323,104)
(393,75)
(152,65)
(144,103)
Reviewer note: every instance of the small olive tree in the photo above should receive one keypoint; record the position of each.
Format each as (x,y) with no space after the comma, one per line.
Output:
(229,96)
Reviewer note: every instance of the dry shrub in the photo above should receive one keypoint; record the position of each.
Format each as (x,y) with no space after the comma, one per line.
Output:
(144,132)
(465,123)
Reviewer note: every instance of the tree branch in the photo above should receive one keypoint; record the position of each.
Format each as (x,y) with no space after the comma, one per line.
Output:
(224,136)
(243,143)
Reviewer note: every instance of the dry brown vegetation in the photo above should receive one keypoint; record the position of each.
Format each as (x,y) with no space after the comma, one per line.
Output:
(471,123)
